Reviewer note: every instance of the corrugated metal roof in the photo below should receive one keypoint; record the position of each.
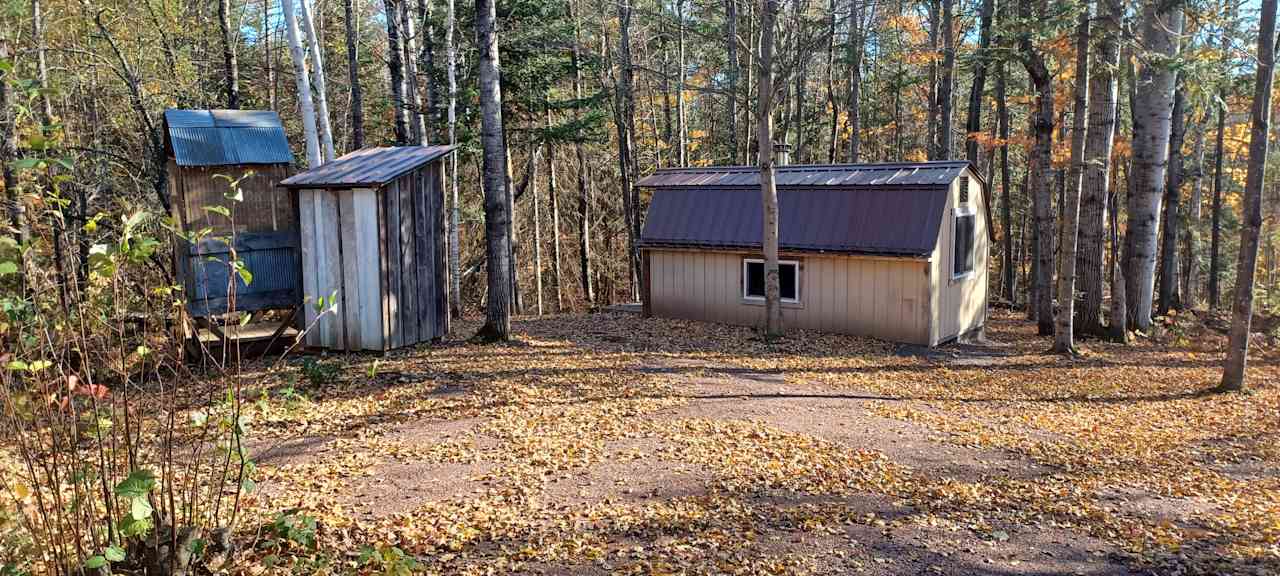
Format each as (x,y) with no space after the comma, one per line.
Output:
(226,137)
(897,174)
(872,219)
(367,167)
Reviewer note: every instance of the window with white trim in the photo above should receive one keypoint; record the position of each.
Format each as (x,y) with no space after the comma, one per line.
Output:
(753,279)
(963,243)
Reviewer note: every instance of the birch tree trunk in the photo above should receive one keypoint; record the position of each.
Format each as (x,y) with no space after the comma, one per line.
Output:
(231,70)
(353,75)
(973,123)
(426,76)
(1095,191)
(497,219)
(1172,224)
(322,99)
(303,78)
(395,69)
(1152,124)
(268,55)
(584,195)
(768,188)
(455,209)
(1251,225)
(1063,334)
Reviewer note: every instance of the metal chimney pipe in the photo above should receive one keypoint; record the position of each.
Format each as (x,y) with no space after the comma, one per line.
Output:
(781,153)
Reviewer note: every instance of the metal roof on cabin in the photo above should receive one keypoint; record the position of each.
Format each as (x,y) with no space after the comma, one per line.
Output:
(226,137)
(889,220)
(830,175)
(367,167)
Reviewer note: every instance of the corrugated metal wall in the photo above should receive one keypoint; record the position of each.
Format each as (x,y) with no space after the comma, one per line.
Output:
(880,297)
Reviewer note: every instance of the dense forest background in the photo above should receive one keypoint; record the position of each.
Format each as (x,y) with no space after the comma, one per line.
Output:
(596,95)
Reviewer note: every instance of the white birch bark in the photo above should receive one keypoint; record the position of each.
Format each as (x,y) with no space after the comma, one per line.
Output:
(317,61)
(304,85)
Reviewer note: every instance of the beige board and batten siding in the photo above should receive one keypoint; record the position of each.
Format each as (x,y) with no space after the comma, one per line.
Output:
(860,295)
(961,303)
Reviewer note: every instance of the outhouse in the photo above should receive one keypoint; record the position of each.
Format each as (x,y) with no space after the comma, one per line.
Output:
(893,251)
(372,238)
(208,151)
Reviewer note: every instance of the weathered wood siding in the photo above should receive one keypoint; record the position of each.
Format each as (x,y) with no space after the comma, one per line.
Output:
(382,252)
(869,296)
(961,303)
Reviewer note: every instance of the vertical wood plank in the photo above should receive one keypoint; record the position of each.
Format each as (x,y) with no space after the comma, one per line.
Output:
(408,262)
(424,251)
(442,248)
(368,265)
(331,266)
(391,196)
(384,270)
(307,242)
(350,270)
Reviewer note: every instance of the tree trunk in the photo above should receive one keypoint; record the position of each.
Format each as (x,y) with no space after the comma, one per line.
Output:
(230,68)
(15,209)
(973,123)
(947,84)
(855,52)
(395,69)
(303,78)
(322,98)
(768,188)
(1215,214)
(1095,191)
(1191,252)
(1063,339)
(584,196)
(1251,225)
(1118,331)
(455,208)
(553,195)
(426,68)
(833,144)
(497,219)
(1041,179)
(268,55)
(536,216)
(1008,270)
(1152,123)
(626,145)
(682,129)
(353,76)
(413,98)
(731,75)
(1172,199)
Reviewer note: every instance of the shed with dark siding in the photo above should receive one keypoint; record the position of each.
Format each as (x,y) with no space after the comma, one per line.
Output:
(373,242)
(208,150)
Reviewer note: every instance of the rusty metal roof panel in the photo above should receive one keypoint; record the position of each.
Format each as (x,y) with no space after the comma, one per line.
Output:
(892,220)
(226,137)
(367,167)
(895,174)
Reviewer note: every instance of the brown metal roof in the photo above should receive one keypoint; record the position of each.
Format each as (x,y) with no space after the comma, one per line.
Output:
(896,174)
(367,167)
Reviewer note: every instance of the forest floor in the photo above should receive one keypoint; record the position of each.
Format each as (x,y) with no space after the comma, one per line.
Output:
(615,444)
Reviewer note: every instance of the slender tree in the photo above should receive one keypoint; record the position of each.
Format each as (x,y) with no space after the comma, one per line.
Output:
(682,127)
(230,67)
(1233,373)
(497,218)
(413,97)
(455,207)
(1171,220)
(768,187)
(628,164)
(1063,334)
(395,70)
(731,76)
(584,196)
(1009,272)
(317,61)
(353,75)
(1161,25)
(946,86)
(973,122)
(303,78)
(1041,179)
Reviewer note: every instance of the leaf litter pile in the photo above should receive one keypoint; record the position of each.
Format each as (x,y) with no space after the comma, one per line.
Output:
(615,444)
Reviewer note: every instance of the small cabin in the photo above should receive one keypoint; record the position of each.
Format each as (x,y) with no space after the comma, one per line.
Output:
(373,243)
(208,150)
(892,251)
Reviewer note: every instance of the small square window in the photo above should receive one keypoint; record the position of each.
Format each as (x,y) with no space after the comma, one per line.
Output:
(788,280)
(962,259)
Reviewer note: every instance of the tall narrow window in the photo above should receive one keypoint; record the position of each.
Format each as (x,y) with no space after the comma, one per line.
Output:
(964,189)
(788,279)
(962,260)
